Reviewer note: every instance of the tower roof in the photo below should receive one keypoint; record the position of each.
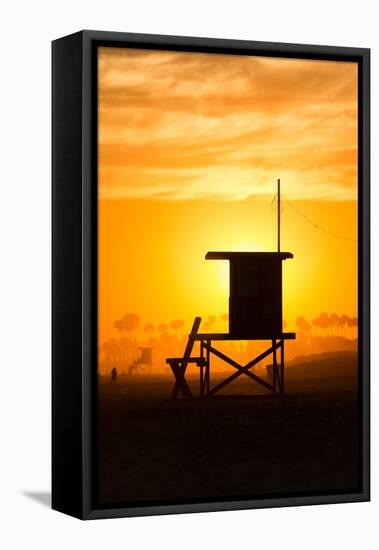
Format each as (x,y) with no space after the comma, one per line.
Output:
(247,255)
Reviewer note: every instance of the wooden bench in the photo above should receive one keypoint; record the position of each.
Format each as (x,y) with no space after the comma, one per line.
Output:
(179,365)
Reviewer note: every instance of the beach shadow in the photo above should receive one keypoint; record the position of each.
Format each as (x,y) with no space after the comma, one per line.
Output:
(42,497)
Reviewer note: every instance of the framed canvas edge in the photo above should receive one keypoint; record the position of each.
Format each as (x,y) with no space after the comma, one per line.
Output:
(227,506)
(230,44)
(67,319)
(90,40)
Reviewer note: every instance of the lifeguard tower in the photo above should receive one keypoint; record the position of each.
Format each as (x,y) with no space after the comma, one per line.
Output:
(255,313)
(143,364)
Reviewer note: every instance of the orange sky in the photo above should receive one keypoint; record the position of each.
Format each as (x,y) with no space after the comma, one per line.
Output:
(190,147)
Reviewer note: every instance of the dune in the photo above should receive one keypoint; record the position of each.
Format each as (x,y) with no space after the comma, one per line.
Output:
(324,365)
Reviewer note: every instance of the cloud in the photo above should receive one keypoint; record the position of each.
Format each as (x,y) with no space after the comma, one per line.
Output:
(185,125)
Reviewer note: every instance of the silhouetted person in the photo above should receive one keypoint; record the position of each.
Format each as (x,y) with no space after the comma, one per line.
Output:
(114,375)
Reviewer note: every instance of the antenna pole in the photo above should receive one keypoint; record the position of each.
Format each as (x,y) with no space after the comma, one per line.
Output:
(278,215)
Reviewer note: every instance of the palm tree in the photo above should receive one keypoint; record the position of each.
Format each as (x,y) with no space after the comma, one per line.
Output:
(341,324)
(303,325)
(316,324)
(119,325)
(177,325)
(355,325)
(163,328)
(352,323)
(324,322)
(344,320)
(333,320)
(130,322)
(110,350)
(128,348)
(149,329)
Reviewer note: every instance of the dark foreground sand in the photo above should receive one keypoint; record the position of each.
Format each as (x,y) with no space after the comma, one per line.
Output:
(245,445)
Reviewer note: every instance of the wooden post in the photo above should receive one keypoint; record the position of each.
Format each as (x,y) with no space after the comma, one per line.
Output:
(274,366)
(278,215)
(201,371)
(208,368)
(282,368)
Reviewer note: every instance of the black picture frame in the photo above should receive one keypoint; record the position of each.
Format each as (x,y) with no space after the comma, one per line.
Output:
(74,266)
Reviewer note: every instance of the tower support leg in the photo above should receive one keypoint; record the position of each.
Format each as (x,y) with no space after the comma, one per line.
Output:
(201,371)
(282,368)
(275,373)
(208,368)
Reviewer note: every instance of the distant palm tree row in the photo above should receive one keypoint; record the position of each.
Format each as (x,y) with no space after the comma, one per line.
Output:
(325,331)
(323,325)
(329,325)
(131,322)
